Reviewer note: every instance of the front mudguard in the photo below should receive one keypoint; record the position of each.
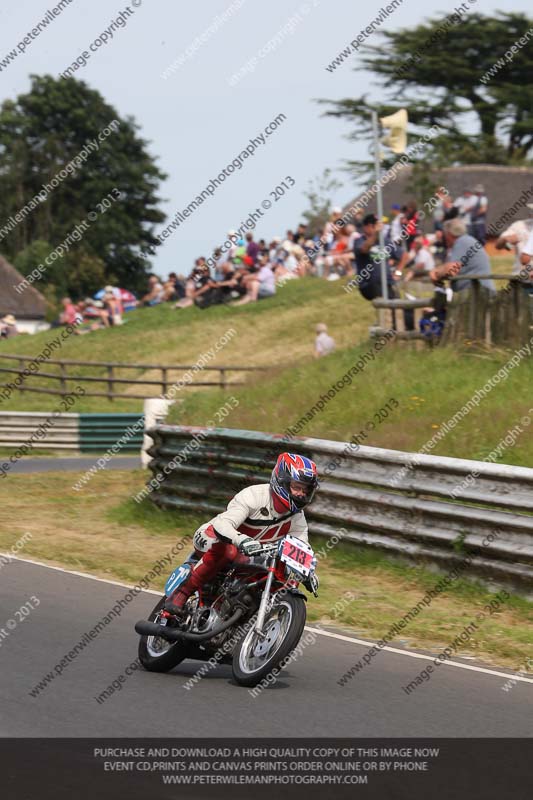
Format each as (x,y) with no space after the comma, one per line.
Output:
(297,593)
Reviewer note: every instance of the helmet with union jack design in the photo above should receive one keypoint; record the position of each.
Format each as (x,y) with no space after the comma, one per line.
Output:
(293,483)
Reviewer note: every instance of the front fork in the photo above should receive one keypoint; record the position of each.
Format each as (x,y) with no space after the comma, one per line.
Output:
(265,598)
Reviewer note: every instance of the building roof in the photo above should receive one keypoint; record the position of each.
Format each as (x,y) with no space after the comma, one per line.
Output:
(29,304)
(505,187)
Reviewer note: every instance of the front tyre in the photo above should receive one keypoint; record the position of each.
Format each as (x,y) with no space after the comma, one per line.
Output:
(255,657)
(157,654)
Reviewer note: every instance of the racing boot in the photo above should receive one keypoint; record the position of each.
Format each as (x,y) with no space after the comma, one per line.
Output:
(175,603)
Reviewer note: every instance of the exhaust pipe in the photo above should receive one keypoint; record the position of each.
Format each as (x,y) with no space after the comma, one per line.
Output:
(145,628)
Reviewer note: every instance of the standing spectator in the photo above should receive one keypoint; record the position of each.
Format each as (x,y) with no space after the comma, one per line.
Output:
(369,269)
(464,205)
(252,248)
(444,202)
(466,256)
(396,223)
(328,234)
(411,223)
(450,210)
(324,343)
(233,238)
(358,221)
(301,234)
(479,214)
(8,327)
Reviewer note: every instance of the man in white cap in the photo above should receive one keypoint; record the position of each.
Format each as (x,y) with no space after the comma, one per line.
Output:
(517,236)
(526,256)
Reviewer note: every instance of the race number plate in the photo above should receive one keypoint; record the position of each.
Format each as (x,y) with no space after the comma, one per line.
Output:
(297,554)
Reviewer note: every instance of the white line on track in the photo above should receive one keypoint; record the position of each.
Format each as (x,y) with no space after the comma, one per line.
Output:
(321,632)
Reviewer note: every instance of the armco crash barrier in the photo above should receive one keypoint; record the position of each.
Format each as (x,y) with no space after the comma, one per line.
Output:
(487,530)
(86,433)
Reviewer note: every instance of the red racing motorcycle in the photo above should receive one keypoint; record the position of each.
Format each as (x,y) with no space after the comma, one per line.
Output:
(250,615)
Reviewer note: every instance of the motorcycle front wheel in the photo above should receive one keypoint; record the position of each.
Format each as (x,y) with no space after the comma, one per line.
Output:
(157,654)
(256,656)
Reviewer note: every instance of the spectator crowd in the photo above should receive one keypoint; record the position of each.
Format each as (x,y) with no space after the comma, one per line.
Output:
(371,252)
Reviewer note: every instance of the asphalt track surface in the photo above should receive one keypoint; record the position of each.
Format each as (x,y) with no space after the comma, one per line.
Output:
(305,701)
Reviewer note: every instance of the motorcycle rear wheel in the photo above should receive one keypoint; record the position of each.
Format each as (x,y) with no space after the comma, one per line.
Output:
(255,657)
(155,653)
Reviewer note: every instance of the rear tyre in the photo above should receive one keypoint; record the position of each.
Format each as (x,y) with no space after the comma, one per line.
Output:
(155,653)
(255,657)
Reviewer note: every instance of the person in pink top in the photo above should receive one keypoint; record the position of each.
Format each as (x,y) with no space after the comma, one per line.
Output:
(70,314)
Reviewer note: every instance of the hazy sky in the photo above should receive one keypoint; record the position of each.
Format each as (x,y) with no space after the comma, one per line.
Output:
(195,121)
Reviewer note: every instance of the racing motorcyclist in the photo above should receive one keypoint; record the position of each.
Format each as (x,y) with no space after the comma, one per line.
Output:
(262,513)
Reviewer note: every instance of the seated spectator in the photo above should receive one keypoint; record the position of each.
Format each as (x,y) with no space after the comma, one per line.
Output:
(94,314)
(198,283)
(258,284)
(155,294)
(113,306)
(8,327)
(274,249)
(69,315)
(466,256)
(324,343)
(227,285)
(438,246)
(173,288)
(286,265)
(128,300)
(338,259)
(421,259)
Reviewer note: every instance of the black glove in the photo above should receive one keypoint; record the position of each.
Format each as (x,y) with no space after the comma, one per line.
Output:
(311,583)
(250,547)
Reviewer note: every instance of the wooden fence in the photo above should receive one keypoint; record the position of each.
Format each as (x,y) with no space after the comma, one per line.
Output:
(111,379)
(504,318)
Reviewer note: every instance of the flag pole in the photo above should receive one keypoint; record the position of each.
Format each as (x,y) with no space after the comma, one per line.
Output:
(377,164)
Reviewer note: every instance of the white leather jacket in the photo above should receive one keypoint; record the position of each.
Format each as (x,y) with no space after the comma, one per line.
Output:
(251,514)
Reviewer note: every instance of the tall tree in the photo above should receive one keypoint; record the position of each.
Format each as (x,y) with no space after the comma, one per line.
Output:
(452,71)
(41,133)
(318,194)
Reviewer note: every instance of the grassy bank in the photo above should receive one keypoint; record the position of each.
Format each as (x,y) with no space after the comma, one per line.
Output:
(277,331)
(101,530)
(429,386)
